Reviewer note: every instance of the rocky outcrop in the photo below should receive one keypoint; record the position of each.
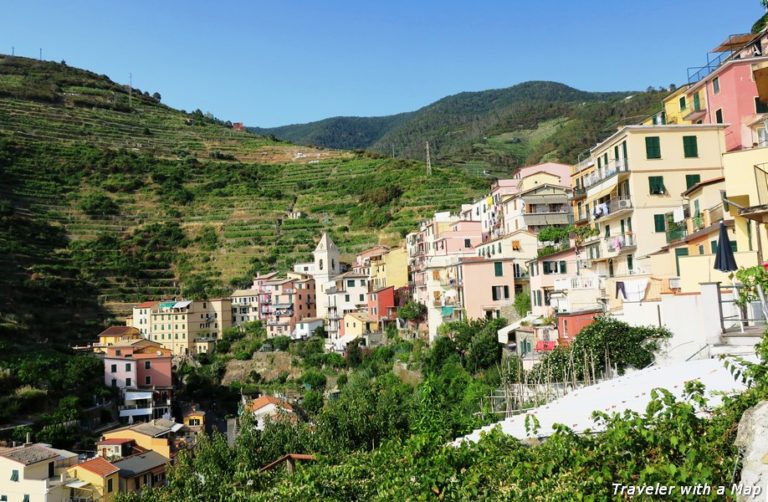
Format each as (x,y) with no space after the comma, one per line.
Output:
(752,440)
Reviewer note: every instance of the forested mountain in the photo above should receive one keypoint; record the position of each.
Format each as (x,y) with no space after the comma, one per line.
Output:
(494,130)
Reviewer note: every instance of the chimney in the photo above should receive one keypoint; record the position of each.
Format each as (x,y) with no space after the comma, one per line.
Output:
(28,442)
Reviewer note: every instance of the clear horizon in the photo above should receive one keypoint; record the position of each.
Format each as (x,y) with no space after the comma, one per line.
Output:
(271,65)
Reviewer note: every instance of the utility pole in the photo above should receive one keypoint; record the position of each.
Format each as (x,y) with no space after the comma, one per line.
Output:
(429,162)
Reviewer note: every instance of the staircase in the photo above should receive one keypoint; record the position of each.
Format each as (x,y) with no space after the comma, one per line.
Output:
(735,343)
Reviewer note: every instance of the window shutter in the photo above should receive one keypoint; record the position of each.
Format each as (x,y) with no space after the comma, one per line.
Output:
(690,147)
(659,224)
(562,266)
(691,179)
(547,268)
(652,147)
(506,292)
(713,246)
(494,294)
(498,270)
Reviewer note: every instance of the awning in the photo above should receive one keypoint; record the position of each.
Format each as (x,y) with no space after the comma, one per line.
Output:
(602,193)
(77,484)
(137,395)
(166,305)
(182,305)
(176,427)
(695,115)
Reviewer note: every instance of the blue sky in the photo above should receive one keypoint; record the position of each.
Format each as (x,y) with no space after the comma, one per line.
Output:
(280,62)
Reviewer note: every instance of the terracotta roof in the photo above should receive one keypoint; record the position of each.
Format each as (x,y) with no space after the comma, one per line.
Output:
(285,458)
(263,401)
(146,305)
(99,466)
(114,441)
(382,289)
(703,183)
(119,331)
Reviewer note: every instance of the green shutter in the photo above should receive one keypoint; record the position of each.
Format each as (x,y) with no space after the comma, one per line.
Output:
(734,247)
(678,253)
(494,295)
(547,268)
(713,246)
(696,102)
(682,104)
(506,292)
(562,266)
(656,185)
(652,147)
(690,147)
(691,179)
(497,268)
(658,222)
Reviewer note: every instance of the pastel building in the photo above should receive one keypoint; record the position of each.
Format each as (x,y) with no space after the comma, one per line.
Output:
(141,369)
(159,435)
(141,471)
(348,293)
(286,302)
(115,334)
(180,325)
(540,206)
(382,306)
(35,472)
(639,173)
(98,480)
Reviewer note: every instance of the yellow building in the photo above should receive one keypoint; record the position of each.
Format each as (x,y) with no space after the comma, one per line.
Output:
(99,480)
(637,178)
(158,435)
(675,108)
(115,334)
(396,268)
(186,327)
(357,324)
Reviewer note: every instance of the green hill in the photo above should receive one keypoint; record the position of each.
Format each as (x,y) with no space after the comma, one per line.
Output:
(490,131)
(131,199)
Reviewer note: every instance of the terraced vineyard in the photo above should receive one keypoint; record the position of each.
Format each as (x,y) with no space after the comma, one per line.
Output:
(157,202)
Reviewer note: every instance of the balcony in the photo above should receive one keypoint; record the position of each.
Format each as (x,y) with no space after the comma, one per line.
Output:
(614,167)
(615,205)
(578,282)
(450,282)
(288,291)
(616,243)
(676,234)
(578,193)
(545,218)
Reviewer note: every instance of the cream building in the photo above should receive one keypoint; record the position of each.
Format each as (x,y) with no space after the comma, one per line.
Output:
(180,326)
(35,473)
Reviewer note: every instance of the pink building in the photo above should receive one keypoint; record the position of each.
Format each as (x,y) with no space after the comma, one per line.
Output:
(285,302)
(141,369)
(729,94)
(487,285)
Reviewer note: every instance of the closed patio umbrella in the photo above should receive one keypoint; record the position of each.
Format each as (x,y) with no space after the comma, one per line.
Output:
(725,261)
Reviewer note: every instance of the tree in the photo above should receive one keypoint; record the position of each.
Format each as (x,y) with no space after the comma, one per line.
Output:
(412,311)
(156,96)
(523,303)
(313,402)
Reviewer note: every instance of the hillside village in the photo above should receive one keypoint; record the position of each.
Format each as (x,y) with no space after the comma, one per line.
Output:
(636,231)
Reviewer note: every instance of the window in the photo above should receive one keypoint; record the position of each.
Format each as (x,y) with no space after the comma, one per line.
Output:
(696,102)
(109,485)
(128,382)
(498,269)
(682,103)
(713,246)
(562,266)
(652,147)
(690,147)
(538,297)
(607,231)
(346,298)
(362,282)
(362,298)
(659,223)
(716,85)
(350,283)
(691,179)
(719,116)
(127,366)
(113,368)
(467,243)
(321,264)
(701,249)
(148,380)
(760,107)
(656,185)
(15,475)
(630,262)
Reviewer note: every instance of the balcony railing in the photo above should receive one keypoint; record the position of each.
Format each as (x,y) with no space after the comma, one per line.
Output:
(578,193)
(617,242)
(579,282)
(449,282)
(676,234)
(613,168)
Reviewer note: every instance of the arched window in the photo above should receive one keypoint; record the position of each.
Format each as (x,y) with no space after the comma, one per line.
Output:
(321,263)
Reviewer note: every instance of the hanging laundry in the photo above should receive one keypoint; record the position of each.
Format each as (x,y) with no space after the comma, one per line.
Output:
(678,214)
(636,289)
(621,288)
(604,208)
(617,244)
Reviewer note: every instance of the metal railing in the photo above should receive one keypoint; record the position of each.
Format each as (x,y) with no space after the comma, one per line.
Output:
(614,167)
(615,243)
(697,73)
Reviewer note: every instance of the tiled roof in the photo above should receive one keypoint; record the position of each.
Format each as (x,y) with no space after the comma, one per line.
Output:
(137,464)
(146,305)
(263,401)
(99,466)
(33,454)
(119,331)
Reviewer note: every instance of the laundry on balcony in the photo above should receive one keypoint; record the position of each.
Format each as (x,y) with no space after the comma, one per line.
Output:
(635,289)
(447,311)
(678,214)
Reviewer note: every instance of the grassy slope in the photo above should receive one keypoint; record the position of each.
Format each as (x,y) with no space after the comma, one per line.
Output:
(74,134)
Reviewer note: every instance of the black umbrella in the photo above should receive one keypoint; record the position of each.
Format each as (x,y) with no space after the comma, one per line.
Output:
(724,260)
